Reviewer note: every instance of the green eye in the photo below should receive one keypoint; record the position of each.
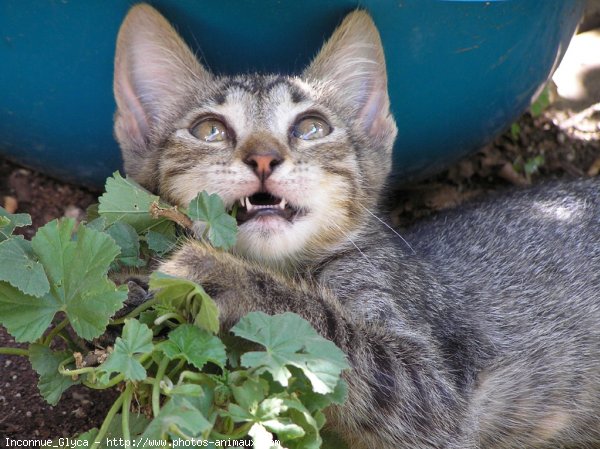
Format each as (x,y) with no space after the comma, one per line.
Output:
(210,130)
(310,128)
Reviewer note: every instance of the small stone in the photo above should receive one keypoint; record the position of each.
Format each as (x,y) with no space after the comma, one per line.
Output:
(75,212)
(594,169)
(508,172)
(11,204)
(79,413)
(20,182)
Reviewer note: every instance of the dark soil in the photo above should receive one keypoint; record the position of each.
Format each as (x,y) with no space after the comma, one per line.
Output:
(24,414)
(537,150)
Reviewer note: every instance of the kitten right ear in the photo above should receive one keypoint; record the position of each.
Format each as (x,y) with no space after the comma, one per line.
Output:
(154,70)
(351,65)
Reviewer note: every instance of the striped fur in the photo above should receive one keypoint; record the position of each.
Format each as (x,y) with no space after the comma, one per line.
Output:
(478,329)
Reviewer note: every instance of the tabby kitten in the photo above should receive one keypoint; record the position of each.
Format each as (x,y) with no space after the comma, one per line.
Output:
(485,333)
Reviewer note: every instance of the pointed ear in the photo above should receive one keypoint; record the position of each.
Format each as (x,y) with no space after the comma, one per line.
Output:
(351,66)
(154,70)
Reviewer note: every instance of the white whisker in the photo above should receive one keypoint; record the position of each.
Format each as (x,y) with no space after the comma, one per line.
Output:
(390,228)
(354,244)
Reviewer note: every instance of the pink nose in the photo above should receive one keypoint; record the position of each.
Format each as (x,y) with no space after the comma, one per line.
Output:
(263,163)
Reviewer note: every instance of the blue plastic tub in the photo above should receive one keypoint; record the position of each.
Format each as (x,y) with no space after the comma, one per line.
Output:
(459,72)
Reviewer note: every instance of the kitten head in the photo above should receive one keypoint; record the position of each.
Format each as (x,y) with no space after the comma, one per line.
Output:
(303,156)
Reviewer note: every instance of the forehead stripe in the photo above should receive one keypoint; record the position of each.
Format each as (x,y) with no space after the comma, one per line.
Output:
(258,85)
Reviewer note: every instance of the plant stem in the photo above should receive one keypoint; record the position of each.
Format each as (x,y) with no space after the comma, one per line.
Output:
(177,367)
(242,431)
(160,373)
(161,319)
(14,351)
(73,372)
(171,214)
(128,393)
(114,381)
(188,300)
(135,312)
(109,417)
(117,379)
(177,431)
(198,377)
(59,327)
(234,210)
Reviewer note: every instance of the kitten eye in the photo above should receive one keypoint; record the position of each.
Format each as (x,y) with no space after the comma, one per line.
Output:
(210,130)
(310,128)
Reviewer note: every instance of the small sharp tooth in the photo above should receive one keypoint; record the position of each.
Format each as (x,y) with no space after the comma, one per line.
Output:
(243,202)
(282,204)
(249,205)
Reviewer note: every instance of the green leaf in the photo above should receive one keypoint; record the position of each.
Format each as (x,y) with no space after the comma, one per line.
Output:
(285,428)
(180,412)
(270,408)
(196,345)
(280,414)
(147,317)
(77,274)
(533,164)
(126,201)
(222,227)
(187,390)
(137,425)
(315,401)
(173,290)
(127,238)
(208,315)
(136,339)
(515,131)
(290,340)
(86,439)
(8,223)
(160,243)
(26,317)
(20,269)
(261,438)
(45,362)
(541,103)
(97,224)
(250,393)
(301,417)
(239,414)
(91,213)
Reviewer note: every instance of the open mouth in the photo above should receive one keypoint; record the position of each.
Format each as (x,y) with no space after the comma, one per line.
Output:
(264,204)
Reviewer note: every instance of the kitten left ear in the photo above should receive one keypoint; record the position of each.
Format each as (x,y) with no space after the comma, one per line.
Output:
(351,65)
(154,72)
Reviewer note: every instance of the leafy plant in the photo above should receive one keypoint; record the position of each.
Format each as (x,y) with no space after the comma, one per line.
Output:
(530,166)
(515,131)
(541,103)
(179,380)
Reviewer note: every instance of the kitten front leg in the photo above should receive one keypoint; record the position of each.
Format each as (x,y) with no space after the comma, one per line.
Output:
(399,396)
